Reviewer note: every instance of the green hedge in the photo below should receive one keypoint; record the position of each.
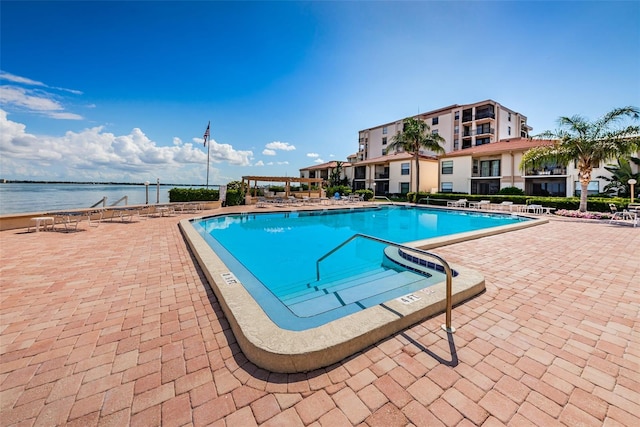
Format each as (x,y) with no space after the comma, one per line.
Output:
(594,204)
(193,195)
(234,198)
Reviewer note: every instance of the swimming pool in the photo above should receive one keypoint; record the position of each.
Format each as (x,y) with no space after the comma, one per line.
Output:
(275,256)
(238,252)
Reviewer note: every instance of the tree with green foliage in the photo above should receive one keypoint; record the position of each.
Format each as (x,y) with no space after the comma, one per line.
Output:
(415,137)
(620,175)
(587,143)
(335,176)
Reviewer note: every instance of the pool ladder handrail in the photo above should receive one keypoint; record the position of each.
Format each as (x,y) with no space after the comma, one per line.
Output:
(447,269)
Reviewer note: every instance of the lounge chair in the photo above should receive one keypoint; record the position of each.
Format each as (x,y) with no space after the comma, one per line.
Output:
(480,204)
(502,206)
(460,203)
(624,217)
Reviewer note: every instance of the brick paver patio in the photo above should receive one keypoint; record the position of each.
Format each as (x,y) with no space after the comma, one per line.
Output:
(116,325)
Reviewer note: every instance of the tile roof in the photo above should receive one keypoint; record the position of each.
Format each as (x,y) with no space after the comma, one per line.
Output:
(326,165)
(395,157)
(502,146)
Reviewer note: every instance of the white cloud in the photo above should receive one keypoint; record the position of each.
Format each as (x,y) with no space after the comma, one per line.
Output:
(94,154)
(318,161)
(259,163)
(268,152)
(33,101)
(313,155)
(277,145)
(17,79)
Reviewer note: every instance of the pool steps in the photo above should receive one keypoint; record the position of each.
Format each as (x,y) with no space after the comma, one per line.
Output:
(315,299)
(358,294)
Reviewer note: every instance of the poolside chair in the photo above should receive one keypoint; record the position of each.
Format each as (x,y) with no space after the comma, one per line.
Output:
(624,217)
(480,204)
(503,206)
(460,203)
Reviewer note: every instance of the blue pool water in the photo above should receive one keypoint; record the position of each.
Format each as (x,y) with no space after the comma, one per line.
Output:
(274,255)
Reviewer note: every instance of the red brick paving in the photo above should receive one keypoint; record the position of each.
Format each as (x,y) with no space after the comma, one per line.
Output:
(116,325)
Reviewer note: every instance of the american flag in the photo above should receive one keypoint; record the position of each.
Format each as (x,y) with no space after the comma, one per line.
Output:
(206,134)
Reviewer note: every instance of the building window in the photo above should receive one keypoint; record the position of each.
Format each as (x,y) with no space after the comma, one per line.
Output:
(508,130)
(384,140)
(446,187)
(384,152)
(456,144)
(476,166)
(482,141)
(456,115)
(434,132)
(404,187)
(490,168)
(384,130)
(404,169)
(456,129)
(592,188)
(434,121)
(447,167)
(509,118)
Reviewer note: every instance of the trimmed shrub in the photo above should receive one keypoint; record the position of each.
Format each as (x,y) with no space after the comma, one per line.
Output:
(193,195)
(514,191)
(368,194)
(344,190)
(234,198)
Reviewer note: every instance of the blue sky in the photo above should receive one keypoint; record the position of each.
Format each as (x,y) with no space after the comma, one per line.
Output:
(123,91)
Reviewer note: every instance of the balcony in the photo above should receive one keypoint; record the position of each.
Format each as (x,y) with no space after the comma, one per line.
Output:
(479,131)
(485,131)
(485,115)
(382,176)
(546,172)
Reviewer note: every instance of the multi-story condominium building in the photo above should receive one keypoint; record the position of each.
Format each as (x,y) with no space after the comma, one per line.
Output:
(484,143)
(461,126)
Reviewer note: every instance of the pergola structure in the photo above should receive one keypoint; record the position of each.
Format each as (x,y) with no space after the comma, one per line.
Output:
(287,180)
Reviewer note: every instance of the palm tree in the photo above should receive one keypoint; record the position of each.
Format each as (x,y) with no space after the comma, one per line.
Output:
(620,175)
(587,143)
(414,137)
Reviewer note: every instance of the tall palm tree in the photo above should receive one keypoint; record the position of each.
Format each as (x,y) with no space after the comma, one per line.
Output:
(414,137)
(587,143)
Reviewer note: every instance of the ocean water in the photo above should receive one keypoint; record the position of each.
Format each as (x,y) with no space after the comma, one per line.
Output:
(31,197)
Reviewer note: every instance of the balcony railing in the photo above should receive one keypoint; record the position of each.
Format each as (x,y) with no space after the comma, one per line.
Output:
(479,131)
(479,116)
(382,176)
(485,115)
(554,171)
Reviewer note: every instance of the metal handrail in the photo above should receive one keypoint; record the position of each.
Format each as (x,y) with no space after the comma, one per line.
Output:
(125,198)
(103,201)
(447,269)
(382,197)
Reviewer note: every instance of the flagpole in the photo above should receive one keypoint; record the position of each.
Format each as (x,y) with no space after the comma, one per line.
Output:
(207,135)
(208,148)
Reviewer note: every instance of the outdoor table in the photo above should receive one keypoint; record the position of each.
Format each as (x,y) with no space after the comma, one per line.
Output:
(44,220)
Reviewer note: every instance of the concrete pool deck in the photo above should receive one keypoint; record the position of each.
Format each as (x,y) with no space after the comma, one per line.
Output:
(116,325)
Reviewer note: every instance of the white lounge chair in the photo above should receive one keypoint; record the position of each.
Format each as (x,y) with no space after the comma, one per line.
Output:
(624,217)
(480,204)
(460,203)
